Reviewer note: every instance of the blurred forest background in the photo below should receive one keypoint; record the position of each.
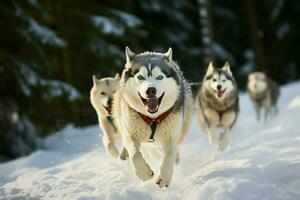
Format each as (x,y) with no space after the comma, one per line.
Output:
(50,49)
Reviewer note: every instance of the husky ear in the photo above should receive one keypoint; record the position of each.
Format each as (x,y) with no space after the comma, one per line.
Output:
(169,54)
(117,76)
(226,67)
(94,80)
(129,54)
(210,68)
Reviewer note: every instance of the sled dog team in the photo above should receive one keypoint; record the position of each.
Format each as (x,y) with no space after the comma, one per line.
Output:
(151,102)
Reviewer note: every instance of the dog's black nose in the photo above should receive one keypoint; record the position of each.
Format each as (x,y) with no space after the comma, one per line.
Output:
(219,87)
(151,91)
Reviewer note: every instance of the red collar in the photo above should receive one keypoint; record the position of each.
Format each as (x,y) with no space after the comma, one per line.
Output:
(154,121)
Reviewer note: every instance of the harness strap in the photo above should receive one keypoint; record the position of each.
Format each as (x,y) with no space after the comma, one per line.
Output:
(153,122)
(110,119)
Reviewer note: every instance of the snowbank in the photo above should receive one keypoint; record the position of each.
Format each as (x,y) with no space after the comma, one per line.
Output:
(262,162)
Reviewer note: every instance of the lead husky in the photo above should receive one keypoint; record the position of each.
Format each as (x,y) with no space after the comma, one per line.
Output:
(263,92)
(101,97)
(153,105)
(217,104)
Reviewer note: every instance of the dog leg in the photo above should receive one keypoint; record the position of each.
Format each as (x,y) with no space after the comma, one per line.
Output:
(211,123)
(257,110)
(177,157)
(141,168)
(124,154)
(212,136)
(274,111)
(227,122)
(267,112)
(166,169)
(224,138)
(107,138)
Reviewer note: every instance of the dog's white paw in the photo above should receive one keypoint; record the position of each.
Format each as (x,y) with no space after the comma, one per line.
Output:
(144,173)
(112,150)
(124,154)
(163,181)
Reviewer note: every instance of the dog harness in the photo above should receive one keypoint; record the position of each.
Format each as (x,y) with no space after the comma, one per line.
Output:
(110,119)
(153,122)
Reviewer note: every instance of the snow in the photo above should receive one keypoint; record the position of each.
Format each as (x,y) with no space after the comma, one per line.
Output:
(283,30)
(262,162)
(33,2)
(277,9)
(53,88)
(249,65)
(151,6)
(222,53)
(107,25)
(128,19)
(43,33)
(202,12)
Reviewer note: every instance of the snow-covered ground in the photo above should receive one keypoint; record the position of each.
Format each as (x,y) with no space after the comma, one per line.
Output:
(262,162)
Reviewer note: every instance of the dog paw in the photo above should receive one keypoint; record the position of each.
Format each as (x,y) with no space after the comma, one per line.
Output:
(163,182)
(222,145)
(145,174)
(124,154)
(112,150)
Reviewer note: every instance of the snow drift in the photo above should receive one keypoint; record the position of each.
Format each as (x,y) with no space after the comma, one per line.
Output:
(262,162)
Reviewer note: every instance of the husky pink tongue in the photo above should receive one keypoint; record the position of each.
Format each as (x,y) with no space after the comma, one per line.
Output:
(220,94)
(152,104)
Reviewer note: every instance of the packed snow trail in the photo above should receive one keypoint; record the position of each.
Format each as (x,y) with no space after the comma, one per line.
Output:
(262,162)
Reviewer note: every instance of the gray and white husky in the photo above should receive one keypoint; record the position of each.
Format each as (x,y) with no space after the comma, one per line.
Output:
(152,105)
(263,93)
(101,97)
(217,104)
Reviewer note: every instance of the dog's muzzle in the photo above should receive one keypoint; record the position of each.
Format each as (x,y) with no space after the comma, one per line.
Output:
(108,108)
(152,103)
(220,93)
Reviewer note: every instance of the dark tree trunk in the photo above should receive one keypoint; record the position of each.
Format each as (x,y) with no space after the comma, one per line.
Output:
(256,36)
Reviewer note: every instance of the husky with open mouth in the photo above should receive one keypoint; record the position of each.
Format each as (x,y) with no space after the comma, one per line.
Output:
(217,104)
(152,105)
(101,97)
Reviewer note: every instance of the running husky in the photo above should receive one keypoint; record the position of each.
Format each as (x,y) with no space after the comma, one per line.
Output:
(101,97)
(152,105)
(217,104)
(263,93)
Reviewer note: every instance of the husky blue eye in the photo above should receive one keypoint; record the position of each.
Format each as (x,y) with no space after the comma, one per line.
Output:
(140,77)
(159,77)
